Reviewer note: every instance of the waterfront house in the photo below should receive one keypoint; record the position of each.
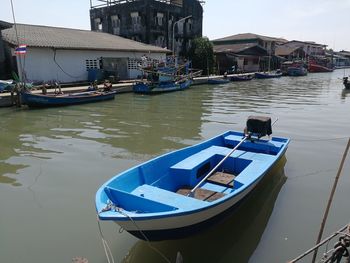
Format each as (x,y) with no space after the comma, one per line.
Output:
(247,52)
(70,55)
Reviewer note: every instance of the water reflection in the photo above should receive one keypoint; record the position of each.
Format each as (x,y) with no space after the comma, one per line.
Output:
(345,93)
(235,238)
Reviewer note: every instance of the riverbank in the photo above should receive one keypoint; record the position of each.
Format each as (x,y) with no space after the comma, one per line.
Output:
(124,87)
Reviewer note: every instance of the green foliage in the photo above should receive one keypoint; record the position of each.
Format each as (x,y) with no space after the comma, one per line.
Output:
(202,55)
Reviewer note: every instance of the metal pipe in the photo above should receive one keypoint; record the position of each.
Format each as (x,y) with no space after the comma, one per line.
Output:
(216,167)
(182,19)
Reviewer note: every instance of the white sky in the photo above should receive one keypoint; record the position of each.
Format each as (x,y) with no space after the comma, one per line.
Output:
(323,21)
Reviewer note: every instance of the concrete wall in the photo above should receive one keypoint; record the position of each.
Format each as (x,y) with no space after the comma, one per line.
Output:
(46,64)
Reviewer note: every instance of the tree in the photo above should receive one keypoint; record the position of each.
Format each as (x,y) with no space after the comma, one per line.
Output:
(202,55)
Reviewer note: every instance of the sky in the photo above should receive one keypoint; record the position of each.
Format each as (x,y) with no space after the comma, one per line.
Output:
(323,21)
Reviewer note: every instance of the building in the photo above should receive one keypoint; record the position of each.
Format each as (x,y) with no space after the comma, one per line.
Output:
(72,55)
(309,48)
(248,52)
(4,69)
(155,22)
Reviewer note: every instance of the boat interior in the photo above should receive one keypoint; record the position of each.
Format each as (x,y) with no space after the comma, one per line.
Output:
(163,184)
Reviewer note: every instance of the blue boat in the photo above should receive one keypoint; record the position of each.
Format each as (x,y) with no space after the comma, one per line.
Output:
(242,78)
(52,100)
(154,88)
(267,75)
(185,191)
(218,81)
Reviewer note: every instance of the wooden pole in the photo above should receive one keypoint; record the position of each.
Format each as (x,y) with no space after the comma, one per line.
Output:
(330,199)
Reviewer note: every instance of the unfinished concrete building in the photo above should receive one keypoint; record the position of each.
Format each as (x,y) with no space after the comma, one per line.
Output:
(156,22)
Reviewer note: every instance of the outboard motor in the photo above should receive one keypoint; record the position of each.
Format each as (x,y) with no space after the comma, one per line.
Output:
(258,126)
(345,80)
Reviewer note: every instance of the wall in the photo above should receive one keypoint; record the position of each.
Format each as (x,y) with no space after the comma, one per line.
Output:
(140,21)
(70,66)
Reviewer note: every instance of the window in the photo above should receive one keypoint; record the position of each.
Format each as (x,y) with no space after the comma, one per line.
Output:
(98,24)
(92,64)
(115,24)
(159,19)
(133,63)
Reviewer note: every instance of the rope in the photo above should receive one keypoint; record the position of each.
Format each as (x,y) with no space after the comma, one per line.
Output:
(106,248)
(143,234)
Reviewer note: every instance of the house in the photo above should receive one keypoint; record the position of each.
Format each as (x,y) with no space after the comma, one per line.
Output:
(309,48)
(247,52)
(155,22)
(290,52)
(71,55)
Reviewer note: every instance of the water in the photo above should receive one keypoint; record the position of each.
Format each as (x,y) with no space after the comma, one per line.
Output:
(53,160)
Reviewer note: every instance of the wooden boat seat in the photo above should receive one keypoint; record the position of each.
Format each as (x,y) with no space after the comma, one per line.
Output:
(201,194)
(222,178)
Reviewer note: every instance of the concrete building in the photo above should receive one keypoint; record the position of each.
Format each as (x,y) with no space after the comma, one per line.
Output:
(248,52)
(150,21)
(70,55)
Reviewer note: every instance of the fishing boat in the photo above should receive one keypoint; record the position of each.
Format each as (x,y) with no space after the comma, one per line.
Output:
(320,65)
(346,83)
(268,75)
(185,191)
(296,71)
(241,78)
(164,78)
(218,81)
(51,100)
(161,87)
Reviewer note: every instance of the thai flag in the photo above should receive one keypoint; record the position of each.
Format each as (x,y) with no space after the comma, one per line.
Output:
(21,50)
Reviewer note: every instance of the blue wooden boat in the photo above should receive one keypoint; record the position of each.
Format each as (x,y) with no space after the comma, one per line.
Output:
(218,81)
(154,88)
(267,75)
(185,191)
(51,100)
(242,78)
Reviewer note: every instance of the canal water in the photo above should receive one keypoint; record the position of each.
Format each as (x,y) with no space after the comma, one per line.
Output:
(52,161)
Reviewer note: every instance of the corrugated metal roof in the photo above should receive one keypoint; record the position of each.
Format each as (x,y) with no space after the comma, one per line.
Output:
(238,48)
(245,36)
(285,50)
(67,38)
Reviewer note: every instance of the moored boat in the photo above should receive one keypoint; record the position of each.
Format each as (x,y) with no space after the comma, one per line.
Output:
(296,71)
(315,68)
(185,191)
(161,87)
(241,78)
(218,81)
(52,100)
(268,75)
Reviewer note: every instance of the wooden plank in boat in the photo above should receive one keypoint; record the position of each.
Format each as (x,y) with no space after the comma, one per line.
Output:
(222,178)
(202,194)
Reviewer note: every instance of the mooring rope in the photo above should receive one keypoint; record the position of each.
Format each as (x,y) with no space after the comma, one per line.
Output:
(111,206)
(108,252)
(119,210)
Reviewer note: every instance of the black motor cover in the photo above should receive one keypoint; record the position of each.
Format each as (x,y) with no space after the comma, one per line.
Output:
(259,126)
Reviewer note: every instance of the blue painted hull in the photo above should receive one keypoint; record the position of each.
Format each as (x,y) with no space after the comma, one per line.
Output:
(267,75)
(145,88)
(149,193)
(218,81)
(38,100)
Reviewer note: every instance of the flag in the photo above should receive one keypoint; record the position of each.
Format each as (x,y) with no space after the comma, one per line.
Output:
(21,50)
